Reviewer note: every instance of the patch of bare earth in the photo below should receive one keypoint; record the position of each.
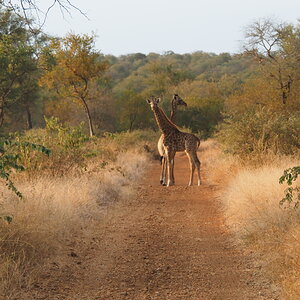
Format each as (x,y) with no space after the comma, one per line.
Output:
(165,243)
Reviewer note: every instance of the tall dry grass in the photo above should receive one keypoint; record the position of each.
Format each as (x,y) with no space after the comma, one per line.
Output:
(250,194)
(54,209)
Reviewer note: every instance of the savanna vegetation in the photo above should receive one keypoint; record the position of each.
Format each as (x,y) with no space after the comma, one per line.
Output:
(72,119)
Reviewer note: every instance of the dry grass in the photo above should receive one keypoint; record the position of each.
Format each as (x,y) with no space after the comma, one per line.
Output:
(221,167)
(251,200)
(250,195)
(53,210)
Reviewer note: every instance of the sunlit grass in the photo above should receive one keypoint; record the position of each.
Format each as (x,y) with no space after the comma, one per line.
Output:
(56,207)
(250,194)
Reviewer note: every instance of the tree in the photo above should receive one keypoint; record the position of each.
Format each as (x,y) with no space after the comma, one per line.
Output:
(73,66)
(133,111)
(163,76)
(28,101)
(18,62)
(276,48)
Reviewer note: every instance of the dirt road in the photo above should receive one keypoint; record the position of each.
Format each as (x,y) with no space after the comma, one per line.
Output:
(164,243)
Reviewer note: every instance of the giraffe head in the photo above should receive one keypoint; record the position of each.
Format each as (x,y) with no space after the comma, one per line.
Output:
(177,100)
(153,101)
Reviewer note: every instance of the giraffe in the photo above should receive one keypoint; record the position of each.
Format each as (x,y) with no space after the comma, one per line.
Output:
(175,140)
(175,102)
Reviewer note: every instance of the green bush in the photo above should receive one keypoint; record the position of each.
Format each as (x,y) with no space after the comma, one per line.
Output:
(261,131)
(66,143)
(71,149)
(11,159)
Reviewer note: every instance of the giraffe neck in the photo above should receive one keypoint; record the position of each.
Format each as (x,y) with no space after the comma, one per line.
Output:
(164,124)
(173,111)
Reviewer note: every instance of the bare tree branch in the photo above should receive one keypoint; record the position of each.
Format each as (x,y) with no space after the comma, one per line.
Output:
(30,10)
(265,40)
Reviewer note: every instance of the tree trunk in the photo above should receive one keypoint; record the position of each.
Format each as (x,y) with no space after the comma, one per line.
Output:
(29,118)
(1,116)
(88,114)
(131,122)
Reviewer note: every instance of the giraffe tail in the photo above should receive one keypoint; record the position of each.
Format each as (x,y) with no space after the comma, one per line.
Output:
(198,143)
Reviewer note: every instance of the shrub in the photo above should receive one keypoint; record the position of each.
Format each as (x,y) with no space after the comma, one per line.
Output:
(66,143)
(261,131)
(10,159)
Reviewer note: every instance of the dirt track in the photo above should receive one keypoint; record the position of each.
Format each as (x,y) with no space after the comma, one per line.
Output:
(166,243)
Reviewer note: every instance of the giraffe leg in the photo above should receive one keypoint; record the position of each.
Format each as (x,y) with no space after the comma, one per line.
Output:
(197,164)
(166,171)
(192,168)
(173,178)
(162,170)
(170,163)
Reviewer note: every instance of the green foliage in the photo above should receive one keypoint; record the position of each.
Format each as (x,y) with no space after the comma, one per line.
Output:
(18,67)
(10,159)
(67,145)
(289,176)
(203,80)
(261,131)
(9,162)
(133,112)
(70,138)
(202,117)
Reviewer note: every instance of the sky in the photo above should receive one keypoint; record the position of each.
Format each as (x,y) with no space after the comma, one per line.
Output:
(182,26)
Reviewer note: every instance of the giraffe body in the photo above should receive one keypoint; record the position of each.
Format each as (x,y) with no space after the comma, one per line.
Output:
(180,141)
(175,102)
(175,140)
